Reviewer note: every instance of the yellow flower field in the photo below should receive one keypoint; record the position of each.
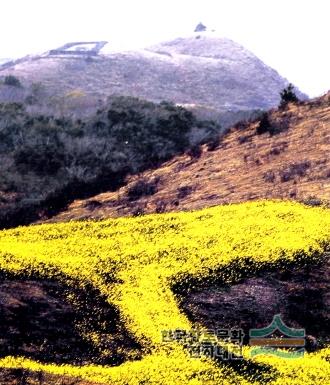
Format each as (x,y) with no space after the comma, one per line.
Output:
(136,261)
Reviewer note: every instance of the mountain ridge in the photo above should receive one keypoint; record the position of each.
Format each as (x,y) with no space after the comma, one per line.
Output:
(207,71)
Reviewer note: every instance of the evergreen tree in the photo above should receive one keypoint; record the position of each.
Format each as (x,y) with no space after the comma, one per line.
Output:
(288,95)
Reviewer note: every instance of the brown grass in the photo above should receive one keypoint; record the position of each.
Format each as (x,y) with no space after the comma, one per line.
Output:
(293,164)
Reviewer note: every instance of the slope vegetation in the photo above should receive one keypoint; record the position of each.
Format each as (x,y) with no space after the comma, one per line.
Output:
(48,161)
(138,265)
(289,159)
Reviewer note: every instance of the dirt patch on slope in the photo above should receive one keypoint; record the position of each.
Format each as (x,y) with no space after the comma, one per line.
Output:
(300,294)
(50,322)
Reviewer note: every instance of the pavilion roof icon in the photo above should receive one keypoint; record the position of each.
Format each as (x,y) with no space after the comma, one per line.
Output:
(277,324)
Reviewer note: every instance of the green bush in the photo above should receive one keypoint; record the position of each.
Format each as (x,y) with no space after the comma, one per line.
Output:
(288,95)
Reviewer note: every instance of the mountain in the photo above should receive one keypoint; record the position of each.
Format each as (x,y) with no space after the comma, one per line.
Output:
(198,71)
(4,60)
(289,159)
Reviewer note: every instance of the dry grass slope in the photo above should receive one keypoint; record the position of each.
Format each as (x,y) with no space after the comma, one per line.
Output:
(293,164)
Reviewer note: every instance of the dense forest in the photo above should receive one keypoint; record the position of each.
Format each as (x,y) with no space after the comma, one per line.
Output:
(46,161)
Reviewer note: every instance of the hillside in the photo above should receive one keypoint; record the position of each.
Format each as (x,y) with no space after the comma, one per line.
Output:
(293,163)
(200,71)
(126,301)
(49,161)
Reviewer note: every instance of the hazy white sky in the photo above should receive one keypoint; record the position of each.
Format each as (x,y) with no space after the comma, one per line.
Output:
(291,36)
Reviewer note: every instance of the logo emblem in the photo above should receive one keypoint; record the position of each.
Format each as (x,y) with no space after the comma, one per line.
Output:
(263,342)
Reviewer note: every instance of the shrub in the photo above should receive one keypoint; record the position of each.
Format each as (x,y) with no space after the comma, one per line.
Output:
(288,95)
(138,211)
(43,160)
(242,125)
(92,204)
(295,169)
(278,149)
(142,188)
(213,144)
(264,125)
(184,191)
(312,201)
(160,206)
(244,139)
(195,152)
(13,81)
(269,176)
